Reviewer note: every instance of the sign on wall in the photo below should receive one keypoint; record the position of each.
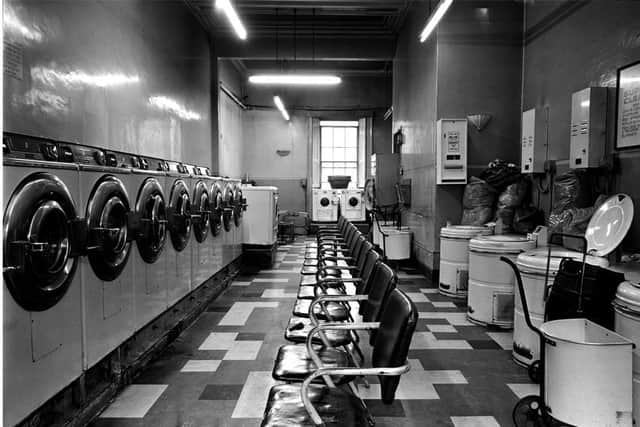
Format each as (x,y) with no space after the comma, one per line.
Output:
(628,109)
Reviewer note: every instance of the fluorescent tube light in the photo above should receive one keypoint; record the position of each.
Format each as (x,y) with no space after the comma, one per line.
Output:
(435,18)
(295,79)
(233,18)
(280,106)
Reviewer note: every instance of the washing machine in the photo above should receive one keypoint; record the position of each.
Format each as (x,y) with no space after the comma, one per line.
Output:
(107,276)
(149,257)
(228,221)
(201,251)
(180,224)
(43,239)
(239,207)
(325,205)
(217,220)
(352,204)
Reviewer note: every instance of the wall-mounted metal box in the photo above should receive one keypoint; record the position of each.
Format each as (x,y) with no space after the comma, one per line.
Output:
(588,127)
(451,151)
(534,145)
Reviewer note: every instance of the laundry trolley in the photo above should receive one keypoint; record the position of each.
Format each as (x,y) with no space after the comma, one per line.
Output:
(586,374)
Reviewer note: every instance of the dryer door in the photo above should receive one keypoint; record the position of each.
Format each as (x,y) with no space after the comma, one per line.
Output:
(41,239)
(108,234)
(218,209)
(202,212)
(151,210)
(179,215)
(239,204)
(228,207)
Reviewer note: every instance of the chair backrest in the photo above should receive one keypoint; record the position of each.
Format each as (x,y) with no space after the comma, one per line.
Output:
(371,257)
(383,280)
(397,325)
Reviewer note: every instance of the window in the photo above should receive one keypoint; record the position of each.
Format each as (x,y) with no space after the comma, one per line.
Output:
(338,150)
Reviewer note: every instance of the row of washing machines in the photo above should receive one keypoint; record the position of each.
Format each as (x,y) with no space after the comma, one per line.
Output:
(97,244)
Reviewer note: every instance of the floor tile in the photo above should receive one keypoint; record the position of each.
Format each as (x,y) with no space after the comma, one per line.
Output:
(444,304)
(250,336)
(379,409)
(221,392)
(442,328)
(522,390)
(474,422)
(243,350)
(253,397)
(240,312)
(270,280)
(218,341)
(200,366)
(279,293)
(427,341)
(429,290)
(504,339)
(236,283)
(135,401)
(417,297)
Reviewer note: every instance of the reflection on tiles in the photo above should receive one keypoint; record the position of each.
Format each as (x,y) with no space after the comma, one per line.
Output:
(240,312)
(279,293)
(135,401)
(474,422)
(427,341)
(253,397)
(444,304)
(522,390)
(504,339)
(200,366)
(218,341)
(243,350)
(417,297)
(456,319)
(442,328)
(270,280)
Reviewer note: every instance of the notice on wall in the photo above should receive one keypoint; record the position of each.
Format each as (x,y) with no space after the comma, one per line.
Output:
(629,107)
(13,59)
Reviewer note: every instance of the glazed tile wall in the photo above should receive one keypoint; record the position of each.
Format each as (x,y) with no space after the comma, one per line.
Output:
(131,76)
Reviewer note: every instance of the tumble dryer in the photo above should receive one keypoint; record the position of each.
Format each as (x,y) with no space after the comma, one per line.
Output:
(217,221)
(43,237)
(180,223)
(352,204)
(325,205)
(149,257)
(228,221)
(201,252)
(107,278)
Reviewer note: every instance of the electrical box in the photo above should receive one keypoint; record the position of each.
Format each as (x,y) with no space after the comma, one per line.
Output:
(451,151)
(534,148)
(385,168)
(588,127)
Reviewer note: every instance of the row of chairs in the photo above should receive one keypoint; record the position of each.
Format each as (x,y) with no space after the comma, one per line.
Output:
(345,289)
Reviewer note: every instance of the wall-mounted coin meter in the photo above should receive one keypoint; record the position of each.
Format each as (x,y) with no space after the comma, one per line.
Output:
(588,127)
(451,151)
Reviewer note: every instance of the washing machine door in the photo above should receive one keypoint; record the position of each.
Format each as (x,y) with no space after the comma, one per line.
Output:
(41,241)
(108,244)
(151,210)
(217,209)
(202,211)
(325,201)
(228,209)
(353,202)
(179,215)
(239,205)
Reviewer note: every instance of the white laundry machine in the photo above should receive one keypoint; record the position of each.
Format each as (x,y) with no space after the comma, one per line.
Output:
(43,237)
(325,205)
(228,213)
(217,220)
(201,253)
(149,258)
(352,204)
(260,225)
(239,207)
(180,223)
(107,277)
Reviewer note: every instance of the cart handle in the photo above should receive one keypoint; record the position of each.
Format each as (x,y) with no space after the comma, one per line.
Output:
(523,297)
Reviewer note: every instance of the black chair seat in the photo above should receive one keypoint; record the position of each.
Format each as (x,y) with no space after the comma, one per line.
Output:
(299,327)
(337,311)
(336,406)
(313,270)
(308,293)
(293,363)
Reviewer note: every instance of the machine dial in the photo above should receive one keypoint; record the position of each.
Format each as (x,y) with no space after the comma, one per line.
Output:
(111,160)
(66,154)
(50,152)
(100,158)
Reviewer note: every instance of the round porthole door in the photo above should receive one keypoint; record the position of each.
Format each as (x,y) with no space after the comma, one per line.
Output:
(354,202)
(324,202)
(202,212)
(228,208)
(152,212)
(217,213)
(238,206)
(179,215)
(108,235)
(39,241)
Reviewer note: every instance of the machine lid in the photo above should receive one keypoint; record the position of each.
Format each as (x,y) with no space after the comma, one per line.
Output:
(40,240)
(535,261)
(107,219)
(151,211)
(582,332)
(628,297)
(179,214)
(464,231)
(202,211)
(609,225)
(507,243)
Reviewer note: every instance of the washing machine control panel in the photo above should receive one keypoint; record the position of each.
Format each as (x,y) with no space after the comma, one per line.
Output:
(17,146)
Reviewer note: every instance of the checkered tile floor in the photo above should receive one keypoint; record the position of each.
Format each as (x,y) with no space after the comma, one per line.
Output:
(218,372)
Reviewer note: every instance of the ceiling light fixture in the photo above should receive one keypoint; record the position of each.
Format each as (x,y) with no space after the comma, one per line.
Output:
(232,16)
(280,105)
(435,18)
(295,79)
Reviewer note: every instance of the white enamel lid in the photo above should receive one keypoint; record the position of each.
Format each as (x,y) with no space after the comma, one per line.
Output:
(609,225)
(463,231)
(628,296)
(535,261)
(504,244)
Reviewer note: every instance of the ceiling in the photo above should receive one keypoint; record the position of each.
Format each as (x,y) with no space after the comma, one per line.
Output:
(352,37)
